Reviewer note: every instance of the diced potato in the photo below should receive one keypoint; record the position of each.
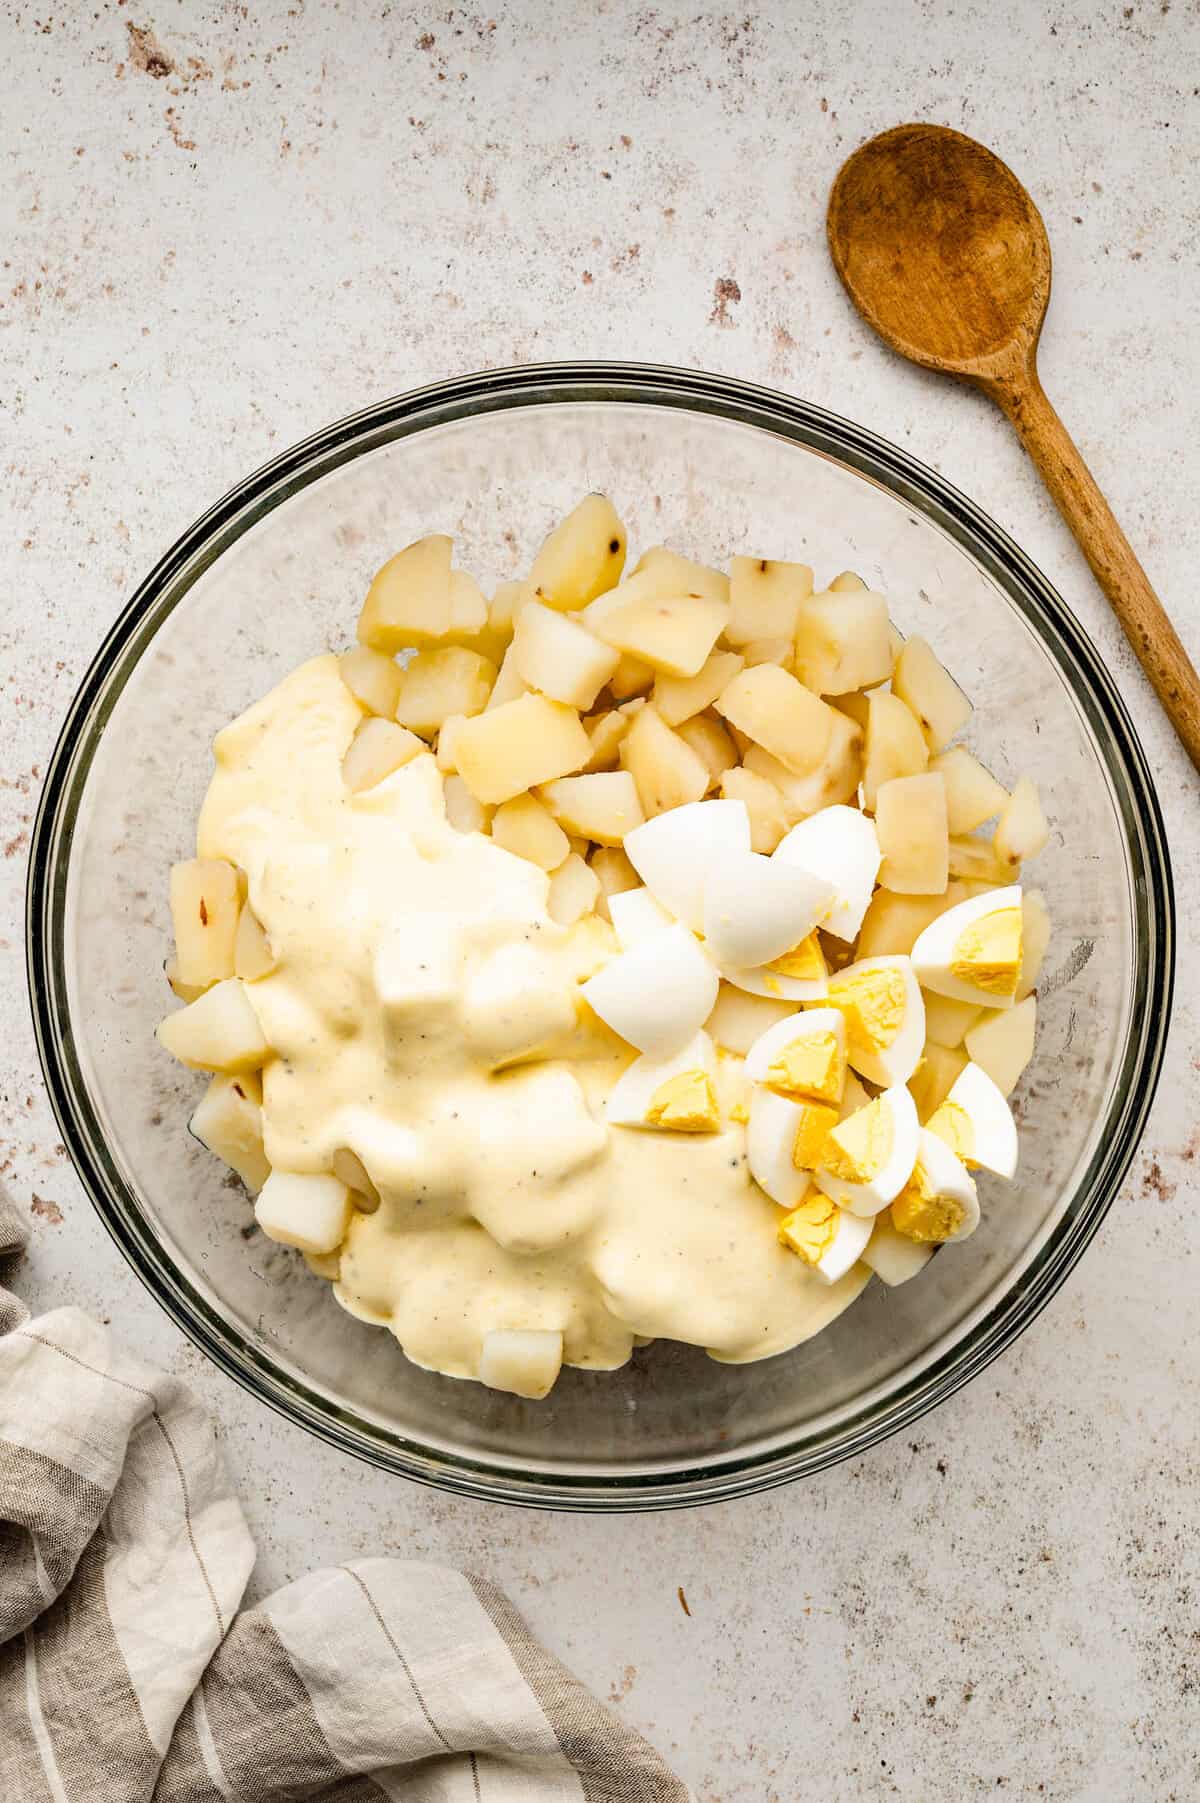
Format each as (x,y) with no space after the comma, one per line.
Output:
(931,692)
(526,1362)
(218,1032)
(229,1122)
(678,698)
(910,819)
(449,680)
(976,860)
(842,642)
(764,598)
(769,815)
(674,634)
(186,992)
(835,779)
(781,715)
(463,812)
(1000,1042)
(666,770)
(557,656)
(581,558)
(509,684)
(856,706)
(206,897)
(770,651)
(408,602)
(972,793)
(847,583)
(373,679)
(895,745)
(614,871)
(524,827)
(377,748)
(1035,937)
(252,954)
(447,735)
(308,1211)
(678,575)
(503,606)
(711,743)
(895,642)
(892,923)
(602,807)
(738,1019)
(468,611)
(1021,831)
(947,1021)
(631,677)
(349,1169)
(574,891)
(605,732)
(935,1076)
(519,746)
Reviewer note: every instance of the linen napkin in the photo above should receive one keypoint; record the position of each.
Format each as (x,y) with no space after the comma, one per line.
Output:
(127,1674)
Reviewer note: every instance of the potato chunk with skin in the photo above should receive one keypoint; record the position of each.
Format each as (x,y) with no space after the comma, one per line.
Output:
(228,1121)
(408,602)
(910,819)
(519,746)
(206,898)
(675,634)
(524,827)
(666,769)
(711,744)
(679,698)
(765,594)
(894,744)
(574,891)
(372,679)
(219,1032)
(450,680)
(928,688)
(559,658)
(769,814)
(581,558)
(602,807)
(781,715)
(972,793)
(377,748)
(842,642)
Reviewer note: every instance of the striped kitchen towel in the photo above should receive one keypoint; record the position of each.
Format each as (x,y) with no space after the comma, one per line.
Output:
(127,1675)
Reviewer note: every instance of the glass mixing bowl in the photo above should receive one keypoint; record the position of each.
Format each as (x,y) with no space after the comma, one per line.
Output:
(275,572)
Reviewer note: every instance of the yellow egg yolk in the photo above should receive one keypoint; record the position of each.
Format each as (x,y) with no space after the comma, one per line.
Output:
(988,953)
(817,1121)
(857,1150)
(805,962)
(811,1229)
(686,1104)
(873,1004)
(813,1065)
(955,1127)
(919,1213)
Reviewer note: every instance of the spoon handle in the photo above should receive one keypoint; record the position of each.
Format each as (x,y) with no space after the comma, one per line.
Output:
(1108,551)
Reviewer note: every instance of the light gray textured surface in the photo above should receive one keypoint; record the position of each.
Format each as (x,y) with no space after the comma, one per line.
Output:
(224,226)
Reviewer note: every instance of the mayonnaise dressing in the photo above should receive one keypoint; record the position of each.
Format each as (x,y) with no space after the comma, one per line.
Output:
(424,1013)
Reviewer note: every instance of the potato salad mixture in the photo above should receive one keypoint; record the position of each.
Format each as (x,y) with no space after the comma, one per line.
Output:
(639,959)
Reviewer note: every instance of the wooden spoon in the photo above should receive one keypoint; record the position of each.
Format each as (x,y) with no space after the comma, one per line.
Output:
(945,254)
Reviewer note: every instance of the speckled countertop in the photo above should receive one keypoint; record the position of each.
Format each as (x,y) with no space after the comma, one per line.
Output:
(226,225)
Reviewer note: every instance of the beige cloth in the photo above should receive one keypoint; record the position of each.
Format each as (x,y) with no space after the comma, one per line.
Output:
(126,1673)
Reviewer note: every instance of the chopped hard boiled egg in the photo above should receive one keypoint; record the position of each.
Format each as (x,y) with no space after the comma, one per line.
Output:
(972,953)
(676,1094)
(758,908)
(939,1202)
(803,1055)
(868,1158)
(675,852)
(770,1143)
(635,913)
(841,845)
(738,1019)
(892,1257)
(799,976)
(977,1124)
(657,995)
(880,999)
(825,1236)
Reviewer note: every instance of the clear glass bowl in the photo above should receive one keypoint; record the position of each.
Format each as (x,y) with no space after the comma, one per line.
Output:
(275,572)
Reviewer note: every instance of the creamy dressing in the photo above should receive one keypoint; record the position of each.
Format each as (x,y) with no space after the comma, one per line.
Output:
(425,1015)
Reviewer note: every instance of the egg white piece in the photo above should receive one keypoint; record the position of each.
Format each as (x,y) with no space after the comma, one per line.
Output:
(893,1258)
(675,852)
(989,1137)
(756,909)
(775,986)
(657,995)
(896,1061)
(874,1191)
(840,845)
(933,953)
(851,1240)
(634,913)
(819,1223)
(632,1094)
(770,1136)
(739,1019)
(948,1176)
(767,1048)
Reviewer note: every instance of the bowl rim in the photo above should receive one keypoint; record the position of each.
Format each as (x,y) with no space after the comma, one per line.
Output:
(938,502)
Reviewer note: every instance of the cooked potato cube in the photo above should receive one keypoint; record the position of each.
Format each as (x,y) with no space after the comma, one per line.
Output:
(614,871)
(769,651)
(603,807)
(502,608)
(206,897)
(463,812)
(895,642)
(631,677)
(769,815)
(892,923)
(605,732)
(674,634)
(910,819)
(947,1021)
(447,735)
(519,746)
(764,598)
(678,575)
(377,748)
(252,954)
(581,558)
(449,680)
(373,679)
(186,992)
(835,779)
(781,715)
(972,793)
(557,656)
(975,860)
(408,603)
(229,1122)
(308,1211)
(574,891)
(842,642)
(524,1361)
(524,827)
(468,609)
(219,1032)
(931,692)
(666,770)
(856,706)
(1001,1042)
(1021,831)
(509,684)
(894,745)
(1035,937)
(935,1076)
(678,698)
(848,583)
(711,744)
